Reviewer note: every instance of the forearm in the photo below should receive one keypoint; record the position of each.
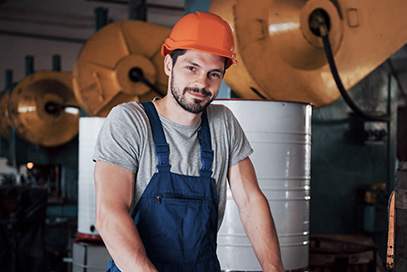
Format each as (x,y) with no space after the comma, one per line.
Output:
(255,215)
(121,238)
(114,193)
(259,226)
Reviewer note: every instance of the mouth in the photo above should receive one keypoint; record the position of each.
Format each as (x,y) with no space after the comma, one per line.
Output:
(198,94)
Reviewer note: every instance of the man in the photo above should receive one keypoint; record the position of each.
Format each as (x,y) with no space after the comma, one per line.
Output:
(161,166)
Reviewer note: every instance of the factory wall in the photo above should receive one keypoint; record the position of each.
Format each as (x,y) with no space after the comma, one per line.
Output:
(353,163)
(14,50)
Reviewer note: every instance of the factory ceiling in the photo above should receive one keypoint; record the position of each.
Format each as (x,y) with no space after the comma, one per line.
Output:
(74,20)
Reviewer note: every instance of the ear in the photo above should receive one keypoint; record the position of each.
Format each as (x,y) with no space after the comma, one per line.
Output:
(167,64)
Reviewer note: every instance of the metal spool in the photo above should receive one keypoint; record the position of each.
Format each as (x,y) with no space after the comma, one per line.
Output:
(4,118)
(280,134)
(114,62)
(43,109)
(281,58)
(88,131)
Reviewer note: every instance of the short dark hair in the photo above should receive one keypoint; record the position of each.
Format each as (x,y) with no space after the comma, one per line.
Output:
(179,52)
(175,54)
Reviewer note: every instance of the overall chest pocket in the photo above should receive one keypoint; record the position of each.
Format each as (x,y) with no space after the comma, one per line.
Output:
(174,227)
(174,221)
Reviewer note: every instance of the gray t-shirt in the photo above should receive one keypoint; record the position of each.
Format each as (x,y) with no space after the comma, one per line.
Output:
(125,139)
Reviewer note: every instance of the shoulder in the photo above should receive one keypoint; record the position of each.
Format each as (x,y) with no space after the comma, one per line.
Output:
(128,111)
(219,114)
(128,116)
(129,108)
(219,111)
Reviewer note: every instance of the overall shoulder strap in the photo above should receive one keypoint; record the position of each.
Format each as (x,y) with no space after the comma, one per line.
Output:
(207,153)
(162,148)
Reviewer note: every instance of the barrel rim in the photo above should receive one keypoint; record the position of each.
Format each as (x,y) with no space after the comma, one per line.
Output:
(264,100)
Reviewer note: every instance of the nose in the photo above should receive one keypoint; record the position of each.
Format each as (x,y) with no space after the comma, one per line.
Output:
(201,81)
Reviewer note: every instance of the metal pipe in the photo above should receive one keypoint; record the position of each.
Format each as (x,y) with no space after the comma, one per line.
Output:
(396,76)
(138,10)
(29,65)
(136,75)
(56,63)
(392,132)
(100,18)
(8,80)
(166,6)
(42,37)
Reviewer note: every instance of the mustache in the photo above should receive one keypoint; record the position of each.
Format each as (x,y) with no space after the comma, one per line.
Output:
(202,91)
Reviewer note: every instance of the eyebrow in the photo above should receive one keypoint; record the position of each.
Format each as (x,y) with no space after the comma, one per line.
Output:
(193,63)
(197,65)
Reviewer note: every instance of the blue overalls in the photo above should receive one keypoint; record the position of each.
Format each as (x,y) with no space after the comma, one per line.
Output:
(177,215)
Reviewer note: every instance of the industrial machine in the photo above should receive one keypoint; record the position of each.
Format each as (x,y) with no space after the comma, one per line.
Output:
(118,64)
(5,124)
(39,127)
(43,109)
(396,250)
(281,54)
(299,52)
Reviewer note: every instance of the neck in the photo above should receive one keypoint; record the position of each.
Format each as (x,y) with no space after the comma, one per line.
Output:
(170,109)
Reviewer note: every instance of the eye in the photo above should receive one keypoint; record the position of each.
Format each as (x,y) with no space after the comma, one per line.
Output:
(191,68)
(215,75)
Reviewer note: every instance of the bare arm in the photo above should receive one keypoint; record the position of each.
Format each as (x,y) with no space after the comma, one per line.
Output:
(114,192)
(255,214)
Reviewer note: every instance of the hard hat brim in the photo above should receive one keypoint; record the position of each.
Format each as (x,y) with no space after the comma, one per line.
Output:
(167,49)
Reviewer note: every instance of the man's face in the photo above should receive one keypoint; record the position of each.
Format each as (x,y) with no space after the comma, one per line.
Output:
(195,79)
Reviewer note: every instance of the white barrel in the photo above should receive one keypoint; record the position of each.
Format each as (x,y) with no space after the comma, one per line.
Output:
(88,131)
(89,257)
(280,134)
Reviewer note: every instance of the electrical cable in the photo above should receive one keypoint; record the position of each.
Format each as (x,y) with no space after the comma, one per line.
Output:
(319,18)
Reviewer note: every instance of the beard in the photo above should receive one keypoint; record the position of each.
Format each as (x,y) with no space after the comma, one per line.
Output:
(197,105)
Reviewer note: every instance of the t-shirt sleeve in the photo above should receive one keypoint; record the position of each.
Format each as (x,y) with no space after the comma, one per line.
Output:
(120,138)
(240,147)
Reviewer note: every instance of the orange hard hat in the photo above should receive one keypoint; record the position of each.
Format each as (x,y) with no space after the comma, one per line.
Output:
(202,31)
